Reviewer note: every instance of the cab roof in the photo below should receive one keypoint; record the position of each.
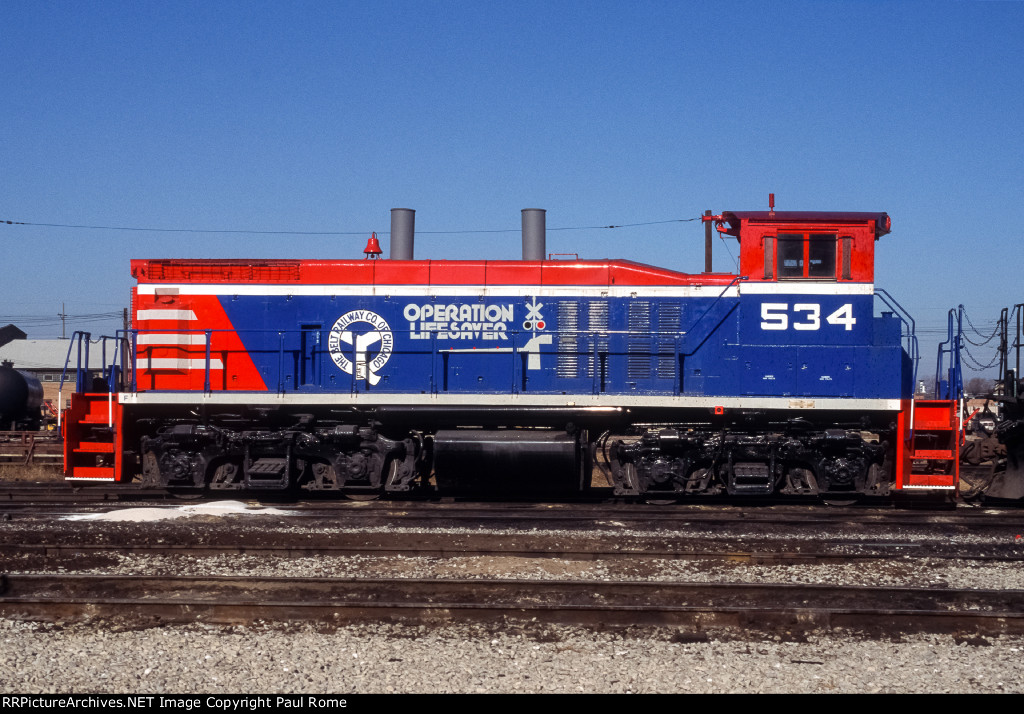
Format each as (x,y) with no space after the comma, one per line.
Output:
(882,221)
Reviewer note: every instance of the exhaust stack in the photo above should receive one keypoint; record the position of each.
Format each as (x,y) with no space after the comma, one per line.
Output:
(403,228)
(534,239)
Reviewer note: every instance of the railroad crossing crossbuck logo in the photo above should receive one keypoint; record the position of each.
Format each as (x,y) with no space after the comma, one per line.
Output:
(350,336)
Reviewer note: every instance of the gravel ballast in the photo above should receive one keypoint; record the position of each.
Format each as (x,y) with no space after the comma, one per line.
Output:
(101,658)
(130,657)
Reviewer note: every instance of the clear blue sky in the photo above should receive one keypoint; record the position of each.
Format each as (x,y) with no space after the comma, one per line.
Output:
(322,116)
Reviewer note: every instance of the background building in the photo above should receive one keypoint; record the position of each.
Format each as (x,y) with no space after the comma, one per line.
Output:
(45,359)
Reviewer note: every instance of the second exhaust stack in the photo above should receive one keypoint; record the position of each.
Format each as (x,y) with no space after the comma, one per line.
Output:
(534,240)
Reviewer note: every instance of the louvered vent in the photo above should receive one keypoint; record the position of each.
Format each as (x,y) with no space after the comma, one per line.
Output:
(225,271)
(668,326)
(638,360)
(568,338)
(597,324)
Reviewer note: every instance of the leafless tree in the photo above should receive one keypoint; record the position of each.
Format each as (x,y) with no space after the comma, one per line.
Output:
(978,386)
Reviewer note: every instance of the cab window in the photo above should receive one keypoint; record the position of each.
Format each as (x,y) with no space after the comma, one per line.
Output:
(806,255)
(791,255)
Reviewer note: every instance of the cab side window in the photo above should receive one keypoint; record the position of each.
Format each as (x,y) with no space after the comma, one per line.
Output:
(806,255)
(821,256)
(791,255)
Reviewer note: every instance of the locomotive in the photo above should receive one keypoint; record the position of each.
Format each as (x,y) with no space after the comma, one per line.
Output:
(366,377)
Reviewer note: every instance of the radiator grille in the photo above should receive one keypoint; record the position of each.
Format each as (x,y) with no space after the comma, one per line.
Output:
(638,347)
(568,339)
(597,324)
(224,271)
(669,314)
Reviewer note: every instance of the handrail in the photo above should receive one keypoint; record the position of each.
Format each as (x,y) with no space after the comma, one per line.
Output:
(517,342)
(76,336)
(913,348)
(1011,387)
(289,363)
(954,382)
(734,281)
(110,375)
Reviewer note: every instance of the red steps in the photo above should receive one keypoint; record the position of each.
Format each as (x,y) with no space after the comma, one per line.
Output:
(91,428)
(933,455)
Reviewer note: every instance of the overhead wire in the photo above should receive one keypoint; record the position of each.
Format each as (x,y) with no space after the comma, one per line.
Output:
(144,229)
(29,319)
(38,321)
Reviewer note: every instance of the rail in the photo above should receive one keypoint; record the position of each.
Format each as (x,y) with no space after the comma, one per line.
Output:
(1009,377)
(735,281)
(296,366)
(907,320)
(912,348)
(28,448)
(303,359)
(111,371)
(952,387)
(599,603)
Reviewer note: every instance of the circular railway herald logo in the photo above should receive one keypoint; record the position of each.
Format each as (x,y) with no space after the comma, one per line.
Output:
(362,336)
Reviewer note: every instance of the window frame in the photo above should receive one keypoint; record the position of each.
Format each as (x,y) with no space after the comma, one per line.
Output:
(786,237)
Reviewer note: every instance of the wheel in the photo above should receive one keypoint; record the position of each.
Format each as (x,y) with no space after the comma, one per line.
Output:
(839,502)
(361,496)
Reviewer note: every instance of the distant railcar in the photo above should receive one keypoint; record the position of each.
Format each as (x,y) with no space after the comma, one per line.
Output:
(21,399)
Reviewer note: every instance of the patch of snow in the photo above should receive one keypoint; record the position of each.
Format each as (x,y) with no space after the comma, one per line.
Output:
(217,508)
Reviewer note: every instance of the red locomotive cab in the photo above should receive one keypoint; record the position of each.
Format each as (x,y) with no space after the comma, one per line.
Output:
(780,246)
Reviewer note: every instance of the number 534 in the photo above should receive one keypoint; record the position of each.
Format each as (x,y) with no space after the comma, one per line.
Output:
(806,316)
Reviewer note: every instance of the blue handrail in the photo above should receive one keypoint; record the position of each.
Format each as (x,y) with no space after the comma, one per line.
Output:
(907,320)
(516,339)
(734,281)
(952,387)
(205,361)
(110,372)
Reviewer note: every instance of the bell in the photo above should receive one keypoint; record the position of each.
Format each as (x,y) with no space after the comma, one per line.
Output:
(372,248)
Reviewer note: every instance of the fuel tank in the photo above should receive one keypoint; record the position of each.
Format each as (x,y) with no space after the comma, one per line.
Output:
(506,461)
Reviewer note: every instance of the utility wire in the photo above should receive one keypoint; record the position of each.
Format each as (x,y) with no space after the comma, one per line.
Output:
(328,233)
(82,316)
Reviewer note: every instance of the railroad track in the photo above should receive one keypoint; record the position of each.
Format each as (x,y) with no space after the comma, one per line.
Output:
(43,499)
(239,600)
(55,567)
(571,531)
(60,492)
(421,545)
